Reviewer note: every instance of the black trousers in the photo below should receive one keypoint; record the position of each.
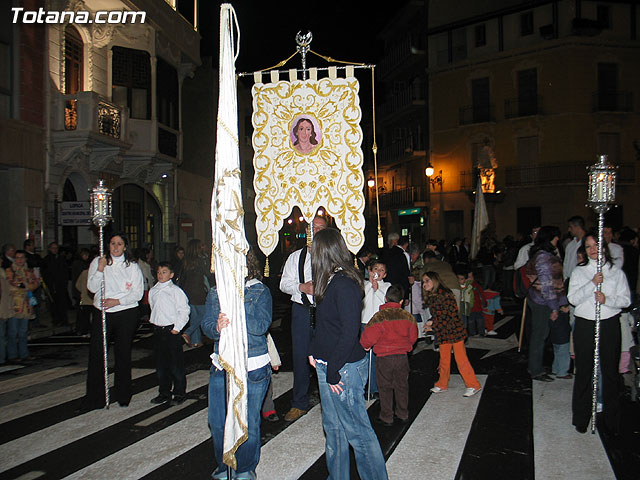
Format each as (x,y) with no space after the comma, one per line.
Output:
(169,361)
(583,343)
(301,333)
(121,328)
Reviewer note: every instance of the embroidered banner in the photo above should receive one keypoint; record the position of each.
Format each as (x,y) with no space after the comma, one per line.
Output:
(307,142)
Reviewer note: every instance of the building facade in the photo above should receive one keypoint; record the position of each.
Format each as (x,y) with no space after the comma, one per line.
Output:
(531,93)
(402,128)
(85,101)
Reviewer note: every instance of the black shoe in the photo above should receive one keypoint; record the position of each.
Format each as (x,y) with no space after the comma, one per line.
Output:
(178,399)
(543,377)
(160,399)
(581,429)
(401,421)
(383,423)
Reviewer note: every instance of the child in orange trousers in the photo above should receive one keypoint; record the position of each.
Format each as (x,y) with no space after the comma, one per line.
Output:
(446,324)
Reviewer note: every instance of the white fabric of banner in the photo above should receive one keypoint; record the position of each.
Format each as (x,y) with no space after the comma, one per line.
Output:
(480,220)
(229,242)
(307,141)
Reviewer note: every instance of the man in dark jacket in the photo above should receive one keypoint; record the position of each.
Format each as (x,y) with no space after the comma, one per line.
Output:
(55,273)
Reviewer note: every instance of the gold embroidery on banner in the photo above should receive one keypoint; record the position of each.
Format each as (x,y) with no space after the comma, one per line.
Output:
(330,175)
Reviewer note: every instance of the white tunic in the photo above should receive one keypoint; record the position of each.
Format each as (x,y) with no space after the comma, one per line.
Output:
(121,281)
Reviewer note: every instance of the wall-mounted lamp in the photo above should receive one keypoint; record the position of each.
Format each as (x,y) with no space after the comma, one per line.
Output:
(429,170)
(371,182)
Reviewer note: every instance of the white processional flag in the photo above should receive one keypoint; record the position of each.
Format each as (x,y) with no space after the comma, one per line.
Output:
(480,220)
(229,242)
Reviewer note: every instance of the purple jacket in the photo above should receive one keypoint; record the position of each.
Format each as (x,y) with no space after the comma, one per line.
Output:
(548,286)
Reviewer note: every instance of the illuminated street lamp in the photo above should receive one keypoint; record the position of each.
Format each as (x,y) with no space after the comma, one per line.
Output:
(371,182)
(101,216)
(601,196)
(429,170)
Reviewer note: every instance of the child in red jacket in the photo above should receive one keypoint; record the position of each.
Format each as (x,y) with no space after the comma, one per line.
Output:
(392,332)
(476,322)
(492,305)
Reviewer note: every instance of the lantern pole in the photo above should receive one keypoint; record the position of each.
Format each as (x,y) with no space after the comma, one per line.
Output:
(101,213)
(601,196)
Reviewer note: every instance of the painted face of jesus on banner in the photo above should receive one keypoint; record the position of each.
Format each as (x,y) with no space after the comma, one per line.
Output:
(305,136)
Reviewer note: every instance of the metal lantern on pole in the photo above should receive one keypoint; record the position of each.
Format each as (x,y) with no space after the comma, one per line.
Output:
(101,216)
(601,196)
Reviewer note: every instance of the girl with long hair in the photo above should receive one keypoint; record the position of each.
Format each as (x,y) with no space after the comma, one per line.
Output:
(124,286)
(340,361)
(613,297)
(450,333)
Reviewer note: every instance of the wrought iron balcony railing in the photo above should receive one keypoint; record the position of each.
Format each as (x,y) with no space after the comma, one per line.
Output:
(560,174)
(613,101)
(477,114)
(523,107)
(88,111)
(404,198)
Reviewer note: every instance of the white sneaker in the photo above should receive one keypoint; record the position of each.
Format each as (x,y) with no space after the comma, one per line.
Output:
(492,333)
(470,392)
(438,390)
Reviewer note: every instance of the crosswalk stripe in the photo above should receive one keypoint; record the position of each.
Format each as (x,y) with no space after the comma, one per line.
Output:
(51,399)
(148,454)
(435,441)
(560,451)
(40,442)
(303,441)
(502,321)
(154,451)
(23,381)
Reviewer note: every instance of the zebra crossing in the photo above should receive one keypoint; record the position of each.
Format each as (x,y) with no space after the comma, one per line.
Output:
(43,437)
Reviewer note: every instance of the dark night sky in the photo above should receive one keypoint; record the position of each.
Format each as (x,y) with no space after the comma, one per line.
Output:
(344,29)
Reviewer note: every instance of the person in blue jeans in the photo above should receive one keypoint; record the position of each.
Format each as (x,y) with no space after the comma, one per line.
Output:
(258,314)
(340,362)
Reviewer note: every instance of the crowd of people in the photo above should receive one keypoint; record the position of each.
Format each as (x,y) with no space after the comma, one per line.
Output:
(353,325)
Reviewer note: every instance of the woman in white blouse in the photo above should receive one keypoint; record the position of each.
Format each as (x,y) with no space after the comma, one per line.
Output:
(124,286)
(613,297)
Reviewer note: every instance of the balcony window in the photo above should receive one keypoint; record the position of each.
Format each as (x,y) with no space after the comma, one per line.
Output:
(481,109)
(609,144)
(459,45)
(528,102)
(608,98)
(167,83)
(528,159)
(526,24)
(603,16)
(132,81)
(5,80)
(73,61)
(481,35)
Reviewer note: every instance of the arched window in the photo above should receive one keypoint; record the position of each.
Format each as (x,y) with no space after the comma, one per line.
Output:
(73,61)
